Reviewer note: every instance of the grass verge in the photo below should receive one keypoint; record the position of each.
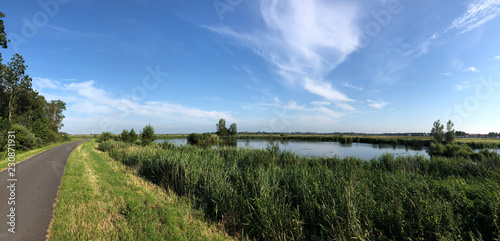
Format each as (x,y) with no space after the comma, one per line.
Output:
(101,199)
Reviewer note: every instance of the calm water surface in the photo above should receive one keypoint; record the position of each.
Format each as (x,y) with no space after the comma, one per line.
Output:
(328,149)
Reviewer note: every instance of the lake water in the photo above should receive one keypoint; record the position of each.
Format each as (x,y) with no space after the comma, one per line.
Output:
(328,149)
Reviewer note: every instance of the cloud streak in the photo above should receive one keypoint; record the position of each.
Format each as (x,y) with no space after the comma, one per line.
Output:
(304,40)
(478,13)
(377,104)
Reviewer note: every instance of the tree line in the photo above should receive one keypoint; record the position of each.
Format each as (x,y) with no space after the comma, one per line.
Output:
(35,120)
(146,137)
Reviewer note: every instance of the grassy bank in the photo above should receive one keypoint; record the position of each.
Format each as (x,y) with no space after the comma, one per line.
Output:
(273,195)
(23,155)
(101,199)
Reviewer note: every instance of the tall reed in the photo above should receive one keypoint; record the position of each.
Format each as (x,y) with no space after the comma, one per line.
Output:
(274,195)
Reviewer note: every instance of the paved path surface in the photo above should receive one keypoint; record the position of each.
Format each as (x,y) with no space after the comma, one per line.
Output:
(35,191)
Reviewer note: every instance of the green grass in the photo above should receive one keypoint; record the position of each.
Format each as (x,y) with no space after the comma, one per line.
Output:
(273,195)
(101,199)
(21,156)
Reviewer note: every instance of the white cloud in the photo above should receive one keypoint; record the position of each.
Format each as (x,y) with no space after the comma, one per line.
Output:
(447,74)
(346,84)
(324,90)
(377,104)
(42,83)
(478,13)
(464,85)
(304,40)
(472,69)
(86,101)
(320,103)
(495,58)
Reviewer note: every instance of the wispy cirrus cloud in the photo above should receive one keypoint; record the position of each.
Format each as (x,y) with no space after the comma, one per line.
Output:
(462,86)
(377,104)
(303,40)
(347,85)
(478,13)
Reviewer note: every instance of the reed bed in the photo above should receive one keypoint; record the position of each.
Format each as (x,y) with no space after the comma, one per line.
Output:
(278,195)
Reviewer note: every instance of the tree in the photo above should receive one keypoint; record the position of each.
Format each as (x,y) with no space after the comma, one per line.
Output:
(3,35)
(221,128)
(450,132)
(460,133)
(233,130)
(54,111)
(437,131)
(148,135)
(105,136)
(132,136)
(124,135)
(14,84)
(21,106)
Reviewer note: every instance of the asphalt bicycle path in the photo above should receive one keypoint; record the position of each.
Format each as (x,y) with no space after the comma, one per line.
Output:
(34,189)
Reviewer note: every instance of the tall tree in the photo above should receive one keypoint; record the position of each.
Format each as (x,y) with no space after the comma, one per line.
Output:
(14,84)
(148,135)
(132,136)
(437,131)
(3,35)
(124,135)
(450,132)
(233,129)
(221,128)
(54,112)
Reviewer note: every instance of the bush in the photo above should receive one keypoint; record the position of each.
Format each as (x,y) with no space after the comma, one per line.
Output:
(25,139)
(202,139)
(105,136)
(64,136)
(463,151)
(5,126)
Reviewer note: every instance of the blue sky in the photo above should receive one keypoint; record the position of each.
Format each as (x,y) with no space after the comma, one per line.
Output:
(268,65)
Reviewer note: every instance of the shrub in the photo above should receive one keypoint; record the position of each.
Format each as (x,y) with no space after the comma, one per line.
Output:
(64,136)
(105,136)
(5,126)
(148,135)
(25,139)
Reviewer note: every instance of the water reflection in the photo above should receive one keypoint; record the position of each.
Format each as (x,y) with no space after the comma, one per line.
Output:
(329,149)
